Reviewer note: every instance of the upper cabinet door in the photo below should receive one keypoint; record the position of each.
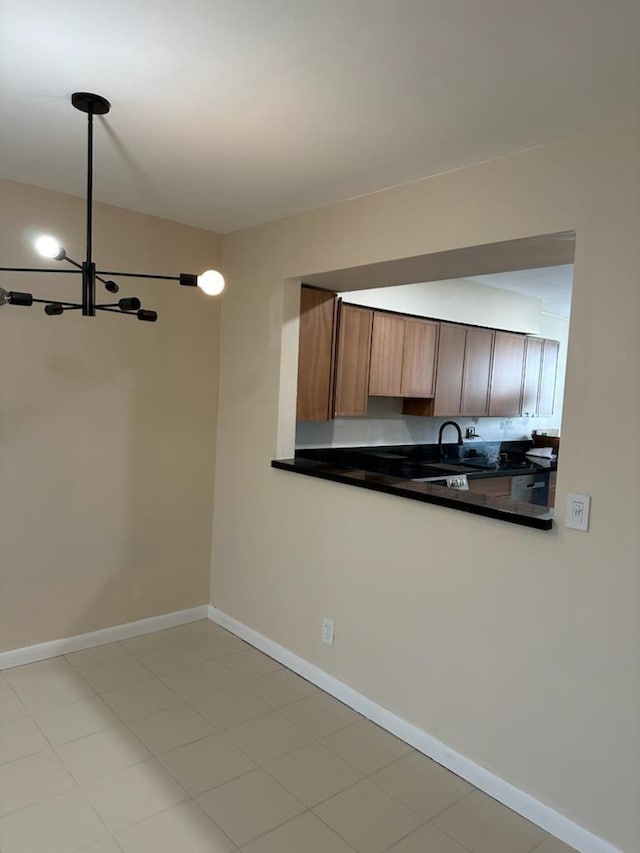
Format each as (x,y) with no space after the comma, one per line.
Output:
(315,354)
(450,370)
(505,398)
(548,371)
(531,384)
(387,350)
(352,361)
(419,366)
(477,372)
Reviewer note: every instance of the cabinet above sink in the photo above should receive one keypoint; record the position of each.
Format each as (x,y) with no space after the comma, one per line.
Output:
(439,369)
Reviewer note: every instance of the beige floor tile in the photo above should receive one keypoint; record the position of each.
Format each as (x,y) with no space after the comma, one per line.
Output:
(554,845)
(304,834)
(32,779)
(106,846)
(483,825)
(313,773)
(102,753)
(207,763)
(134,794)
(79,719)
(168,658)
(268,737)
(146,642)
(3,682)
(88,658)
(427,839)
(111,674)
(282,687)
(19,738)
(213,644)
(368,818)
(58,825)
(196,681)
(11,708)
(199,628)
(183,829)
(231,707)
(171,728)
(250,806)
(251,663)
(40,694)
(138,700)
(366,746)
(41,669)
(320,715)
(423,785)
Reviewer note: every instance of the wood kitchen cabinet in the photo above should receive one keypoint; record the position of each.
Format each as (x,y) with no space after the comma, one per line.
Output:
(477,371)
(495,487)
(419,364)
(450,370)
(507,370)
(387,354)
(352,360)
(540,371)
(403,356)
(315,354)
(462,374)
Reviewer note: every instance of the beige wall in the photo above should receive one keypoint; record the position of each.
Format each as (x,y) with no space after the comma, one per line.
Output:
(518,648)
(456,300)
(107,429)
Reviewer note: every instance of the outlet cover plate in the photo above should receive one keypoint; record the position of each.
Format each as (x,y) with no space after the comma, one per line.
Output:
(327,631)
(578,508)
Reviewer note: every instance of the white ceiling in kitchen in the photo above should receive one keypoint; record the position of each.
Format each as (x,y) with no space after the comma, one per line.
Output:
(552,285)
(227,113)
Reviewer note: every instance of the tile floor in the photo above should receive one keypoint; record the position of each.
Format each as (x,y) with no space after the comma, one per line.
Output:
(190,740)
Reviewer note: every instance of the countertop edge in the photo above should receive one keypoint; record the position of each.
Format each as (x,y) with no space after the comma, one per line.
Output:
(394,486)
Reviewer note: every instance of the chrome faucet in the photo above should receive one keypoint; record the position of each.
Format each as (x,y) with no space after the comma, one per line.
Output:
(441,431)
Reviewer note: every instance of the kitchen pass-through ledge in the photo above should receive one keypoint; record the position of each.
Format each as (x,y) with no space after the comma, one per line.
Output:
(528,515)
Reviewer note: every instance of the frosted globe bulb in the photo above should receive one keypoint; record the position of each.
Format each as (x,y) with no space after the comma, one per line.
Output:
(49,247)
(211,282)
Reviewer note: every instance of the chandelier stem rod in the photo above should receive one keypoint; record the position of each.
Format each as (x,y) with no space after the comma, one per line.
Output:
(89,183)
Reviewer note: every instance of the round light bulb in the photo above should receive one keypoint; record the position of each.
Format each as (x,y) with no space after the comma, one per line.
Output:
(211,282)
(49,247)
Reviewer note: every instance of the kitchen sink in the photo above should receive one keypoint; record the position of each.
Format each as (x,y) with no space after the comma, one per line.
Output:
(452,481)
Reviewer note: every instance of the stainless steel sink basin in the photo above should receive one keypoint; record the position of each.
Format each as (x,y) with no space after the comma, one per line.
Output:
(452,481)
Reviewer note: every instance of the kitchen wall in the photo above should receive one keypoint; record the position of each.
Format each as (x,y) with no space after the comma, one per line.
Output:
(107,430)
(456,300)
(518,648)
(459,301)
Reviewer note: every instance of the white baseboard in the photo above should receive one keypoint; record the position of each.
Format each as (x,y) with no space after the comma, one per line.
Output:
(41,651)
(524,804)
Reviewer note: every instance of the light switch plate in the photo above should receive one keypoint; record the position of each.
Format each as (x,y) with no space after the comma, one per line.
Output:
(578,507)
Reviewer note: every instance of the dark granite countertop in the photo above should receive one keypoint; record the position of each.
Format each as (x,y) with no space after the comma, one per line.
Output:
(393,469)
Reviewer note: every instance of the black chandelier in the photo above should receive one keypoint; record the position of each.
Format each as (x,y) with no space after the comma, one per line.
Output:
(211,281)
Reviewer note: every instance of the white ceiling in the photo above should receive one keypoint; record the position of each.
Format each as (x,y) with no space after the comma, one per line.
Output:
(227,113)
(550,284)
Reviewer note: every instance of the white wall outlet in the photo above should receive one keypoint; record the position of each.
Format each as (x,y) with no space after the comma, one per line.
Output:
(578,507)
(327,631)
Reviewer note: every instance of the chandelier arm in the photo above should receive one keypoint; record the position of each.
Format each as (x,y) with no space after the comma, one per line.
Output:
(38,269)
(71,261)
(65,305)
(115,311)
(140,275)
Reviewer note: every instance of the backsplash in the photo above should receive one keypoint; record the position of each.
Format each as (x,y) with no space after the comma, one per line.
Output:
(385,424)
